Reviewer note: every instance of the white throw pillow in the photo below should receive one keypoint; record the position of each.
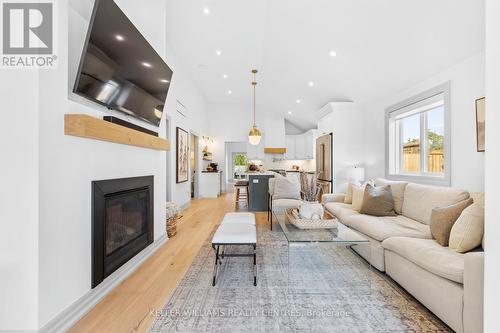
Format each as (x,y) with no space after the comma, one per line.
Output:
(358,193)
(286,188)
(467,232)
(348,193)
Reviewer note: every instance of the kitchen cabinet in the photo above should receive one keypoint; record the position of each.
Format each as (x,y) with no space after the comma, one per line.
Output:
(309,140)
(300,147)
(290,147)
(256,152)
(210,184)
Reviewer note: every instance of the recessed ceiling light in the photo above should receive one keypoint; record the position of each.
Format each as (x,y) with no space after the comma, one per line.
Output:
(229,92)
(206,10)
(120,38)
(289,112)
(147,64)
(164,81)
(224,76)
(311,84)
(297,101)
(333,53)
(218,52)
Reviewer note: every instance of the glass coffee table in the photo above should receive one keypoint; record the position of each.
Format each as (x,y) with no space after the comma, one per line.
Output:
(323,260)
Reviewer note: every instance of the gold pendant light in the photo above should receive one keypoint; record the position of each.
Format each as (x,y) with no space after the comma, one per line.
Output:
(254,135)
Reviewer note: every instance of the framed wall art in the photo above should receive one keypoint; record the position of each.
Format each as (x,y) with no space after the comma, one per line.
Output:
(480,123)
(182,147)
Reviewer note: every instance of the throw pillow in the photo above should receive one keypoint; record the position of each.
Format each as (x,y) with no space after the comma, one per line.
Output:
(443,218)
(348,193)
(286,188)
(398,192)
(467,232)
(377,201)
(357,196)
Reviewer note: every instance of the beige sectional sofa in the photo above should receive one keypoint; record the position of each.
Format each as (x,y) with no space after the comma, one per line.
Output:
(448,283)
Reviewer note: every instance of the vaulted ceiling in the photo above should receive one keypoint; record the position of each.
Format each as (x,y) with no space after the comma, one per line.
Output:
(381,46)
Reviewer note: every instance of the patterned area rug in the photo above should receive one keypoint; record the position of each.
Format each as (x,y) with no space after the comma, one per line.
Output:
(310,288)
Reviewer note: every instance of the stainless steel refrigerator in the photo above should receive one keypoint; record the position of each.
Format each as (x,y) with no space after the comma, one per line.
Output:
(324,162)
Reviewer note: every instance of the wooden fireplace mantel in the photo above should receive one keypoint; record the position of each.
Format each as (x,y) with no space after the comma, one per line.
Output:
(86,126)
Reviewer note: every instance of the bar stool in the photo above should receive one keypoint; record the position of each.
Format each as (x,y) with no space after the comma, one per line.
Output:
(242,195)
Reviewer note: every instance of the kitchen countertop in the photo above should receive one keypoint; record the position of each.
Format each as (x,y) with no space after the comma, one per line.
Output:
(205,171)
(260,173)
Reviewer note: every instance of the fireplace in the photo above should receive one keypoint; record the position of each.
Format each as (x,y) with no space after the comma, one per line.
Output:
(122,222)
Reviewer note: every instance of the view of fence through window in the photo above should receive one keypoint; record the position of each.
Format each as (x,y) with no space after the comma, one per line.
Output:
(433,121)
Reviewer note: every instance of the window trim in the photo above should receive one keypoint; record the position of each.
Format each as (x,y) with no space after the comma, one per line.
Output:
(444,180)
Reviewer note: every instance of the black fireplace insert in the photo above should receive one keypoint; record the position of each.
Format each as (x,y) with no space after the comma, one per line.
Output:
(122,222)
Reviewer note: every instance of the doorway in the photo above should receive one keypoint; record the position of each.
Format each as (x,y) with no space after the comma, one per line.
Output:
(168,161)
(193,165)
(235,160)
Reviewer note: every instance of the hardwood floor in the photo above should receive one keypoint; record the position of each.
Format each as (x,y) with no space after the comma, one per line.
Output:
(128,307)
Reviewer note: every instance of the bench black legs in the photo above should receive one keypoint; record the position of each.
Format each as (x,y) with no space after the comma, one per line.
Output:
(221,255)
(254,265)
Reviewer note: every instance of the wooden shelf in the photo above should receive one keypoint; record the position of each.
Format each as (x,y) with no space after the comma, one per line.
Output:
(86,126)
(275,150)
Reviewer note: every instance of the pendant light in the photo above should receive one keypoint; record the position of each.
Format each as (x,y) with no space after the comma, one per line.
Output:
(254,135)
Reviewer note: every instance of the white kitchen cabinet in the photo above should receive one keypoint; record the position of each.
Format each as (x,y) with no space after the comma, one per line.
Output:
(309,139)
(210,184)
(300,147)
(290,147)
(256,152)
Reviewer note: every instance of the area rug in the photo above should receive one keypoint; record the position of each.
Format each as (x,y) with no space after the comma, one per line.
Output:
(312,288)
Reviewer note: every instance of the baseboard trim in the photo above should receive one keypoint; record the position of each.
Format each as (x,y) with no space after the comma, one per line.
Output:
(185,206)
(68,317)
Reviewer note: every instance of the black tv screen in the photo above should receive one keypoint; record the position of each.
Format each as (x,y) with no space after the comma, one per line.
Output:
(119,68)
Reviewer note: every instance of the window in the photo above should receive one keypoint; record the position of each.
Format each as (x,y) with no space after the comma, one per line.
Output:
(418,138)
(239,165)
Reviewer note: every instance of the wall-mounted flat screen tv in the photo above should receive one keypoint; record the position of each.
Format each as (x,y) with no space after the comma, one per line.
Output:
(119,68)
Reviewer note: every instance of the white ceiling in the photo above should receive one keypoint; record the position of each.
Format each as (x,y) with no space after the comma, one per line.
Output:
(382,46)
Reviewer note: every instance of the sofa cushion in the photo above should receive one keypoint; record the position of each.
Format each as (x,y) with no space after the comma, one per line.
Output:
(398,191)
(443,218)
(381,228)
(377,201)
(419,200)
(467,232)
(340,210)
(280,204)
(429,255)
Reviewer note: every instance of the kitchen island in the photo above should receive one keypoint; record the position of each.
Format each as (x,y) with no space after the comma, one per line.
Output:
(258,187)
(210,184)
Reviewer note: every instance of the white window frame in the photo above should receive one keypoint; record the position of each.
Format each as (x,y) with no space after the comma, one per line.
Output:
(392,153)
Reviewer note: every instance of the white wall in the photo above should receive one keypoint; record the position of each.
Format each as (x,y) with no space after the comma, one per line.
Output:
(467,84)
(69,164)
(345,122)
(291,129)
(492,218)
(19,200)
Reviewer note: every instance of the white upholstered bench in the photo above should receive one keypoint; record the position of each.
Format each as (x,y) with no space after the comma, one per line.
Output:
(235,229)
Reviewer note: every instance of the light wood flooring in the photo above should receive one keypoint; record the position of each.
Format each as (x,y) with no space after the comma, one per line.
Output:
(128,307)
